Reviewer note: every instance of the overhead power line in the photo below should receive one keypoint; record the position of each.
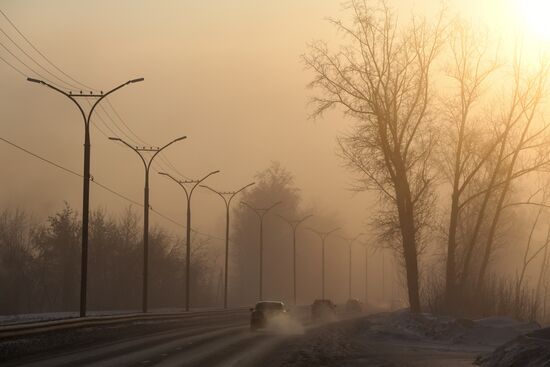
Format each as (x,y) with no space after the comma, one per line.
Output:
(41,54)
(36,62)
(164,163)
(41,158)
(105,187)
(12,66)
(29,67)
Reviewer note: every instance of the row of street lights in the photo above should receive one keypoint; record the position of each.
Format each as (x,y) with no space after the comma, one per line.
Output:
(323,235)
(188,186)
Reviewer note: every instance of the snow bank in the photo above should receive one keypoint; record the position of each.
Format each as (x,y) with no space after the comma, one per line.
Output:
(428,327)
(530,350)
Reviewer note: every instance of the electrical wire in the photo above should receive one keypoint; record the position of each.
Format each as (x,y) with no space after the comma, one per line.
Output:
(28,67)
(103,186)
(93,122)
(36,62)
(162,155)
(164,163)
(13,67)
(41,54)
(135,139)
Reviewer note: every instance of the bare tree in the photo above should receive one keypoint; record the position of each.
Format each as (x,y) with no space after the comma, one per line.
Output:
(382,79)
(519,148)
(527,150)
(468,145)
(528,257)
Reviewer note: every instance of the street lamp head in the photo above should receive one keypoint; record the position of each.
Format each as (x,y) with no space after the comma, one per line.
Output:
(33,80)
(136,80)
(114,138)
(180,138)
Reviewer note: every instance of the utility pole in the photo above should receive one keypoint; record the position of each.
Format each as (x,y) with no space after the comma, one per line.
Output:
(383,278)
(366,272)
(323,236)
(294,223)
(227,196)
(147,165)
(86,175)
(350,242)
(188,194)
(261,212)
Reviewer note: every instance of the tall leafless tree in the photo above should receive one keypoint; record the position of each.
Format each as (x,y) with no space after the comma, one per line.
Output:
(467,144)
(528,147)
(382,79)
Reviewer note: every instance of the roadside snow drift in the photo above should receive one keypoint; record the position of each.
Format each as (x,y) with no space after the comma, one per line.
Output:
(530,350)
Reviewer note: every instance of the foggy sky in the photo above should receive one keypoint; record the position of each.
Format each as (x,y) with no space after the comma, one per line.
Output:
(227,74)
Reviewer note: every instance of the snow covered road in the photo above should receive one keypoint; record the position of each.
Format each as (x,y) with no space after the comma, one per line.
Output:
(219,339)
(387,339)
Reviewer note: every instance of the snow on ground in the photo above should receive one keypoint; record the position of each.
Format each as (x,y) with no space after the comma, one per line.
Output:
(529,350)
(6,320)
(51,316)
(401,339)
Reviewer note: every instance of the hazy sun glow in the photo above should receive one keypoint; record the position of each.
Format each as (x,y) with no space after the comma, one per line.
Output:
(536,16)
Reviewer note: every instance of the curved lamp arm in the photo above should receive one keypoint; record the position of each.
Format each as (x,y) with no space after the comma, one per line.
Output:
(202,179)
(166,146)
(176,181)
(111,91)
(215,192)
(38,81)
(86,118)
(241,189)
(131,147)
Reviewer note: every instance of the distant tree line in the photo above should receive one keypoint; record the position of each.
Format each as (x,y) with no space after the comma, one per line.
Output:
(40,264)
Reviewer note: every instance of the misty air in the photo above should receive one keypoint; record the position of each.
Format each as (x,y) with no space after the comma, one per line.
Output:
(278,183)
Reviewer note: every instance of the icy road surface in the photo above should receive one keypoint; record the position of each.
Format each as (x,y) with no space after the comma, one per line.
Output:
(387,339)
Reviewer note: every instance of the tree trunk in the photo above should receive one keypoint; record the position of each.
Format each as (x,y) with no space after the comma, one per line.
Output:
(408,233)
(450,279)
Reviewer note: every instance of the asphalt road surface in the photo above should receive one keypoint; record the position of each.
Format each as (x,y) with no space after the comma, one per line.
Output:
(218,339)
(223,338)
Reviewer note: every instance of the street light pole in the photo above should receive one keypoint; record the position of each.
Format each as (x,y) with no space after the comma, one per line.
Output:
(188,194)
(350,242)
(147,164)
(227,196)
(366,273)
(261,212)
(323,236)
(294,223)
(86,175)
(383,278)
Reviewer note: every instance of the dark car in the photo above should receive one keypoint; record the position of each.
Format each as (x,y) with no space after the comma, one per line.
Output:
(265,311)
(323,310)
(353,306)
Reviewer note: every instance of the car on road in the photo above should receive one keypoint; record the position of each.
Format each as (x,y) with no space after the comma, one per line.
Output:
(323,310)
(265,312)
(354,306)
